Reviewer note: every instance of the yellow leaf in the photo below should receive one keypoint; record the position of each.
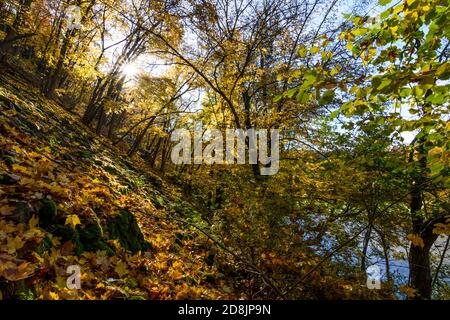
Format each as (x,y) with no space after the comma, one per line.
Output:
(25,181)
(33,222)
(73,220)
(347,287)
(19,168)
(441,228)
(53,296)
(408,291)
(314,50)
(435,151)
(416,240)
(121,268)
(14,244)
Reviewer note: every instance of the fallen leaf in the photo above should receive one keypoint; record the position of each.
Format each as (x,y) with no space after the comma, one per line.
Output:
(73,220)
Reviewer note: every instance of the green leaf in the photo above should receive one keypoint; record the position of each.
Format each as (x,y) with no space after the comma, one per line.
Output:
(290,93)
(302,97)
(278,98)
(405,92)
(302,51)
(334,114)
(383,2)
(359,32)
(314,50)
(327,97)
(384,84)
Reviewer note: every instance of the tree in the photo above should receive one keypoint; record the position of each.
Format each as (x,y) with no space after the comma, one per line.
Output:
(407,46)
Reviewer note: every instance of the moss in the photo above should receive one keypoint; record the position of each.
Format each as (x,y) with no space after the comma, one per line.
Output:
(26,295)
(131,283)
(9,161)
(209,277)
(23,291)
(67,233)
(85,154)
(85,237)
(159,202)
(111,169)
(48,212)
(90,232)
(124,227)
(44,246)
(91,236)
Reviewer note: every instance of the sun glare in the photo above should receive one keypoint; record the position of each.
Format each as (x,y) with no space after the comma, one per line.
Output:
(130,69)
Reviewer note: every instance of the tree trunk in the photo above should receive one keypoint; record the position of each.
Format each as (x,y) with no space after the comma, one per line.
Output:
(419,260)
(419,255)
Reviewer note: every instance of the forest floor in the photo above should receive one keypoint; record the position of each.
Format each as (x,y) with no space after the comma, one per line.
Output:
(68,197)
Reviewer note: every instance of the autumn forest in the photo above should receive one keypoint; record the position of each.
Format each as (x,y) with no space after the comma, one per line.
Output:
(224,149)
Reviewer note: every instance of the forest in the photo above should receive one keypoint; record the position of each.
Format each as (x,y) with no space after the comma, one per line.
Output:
(224,149)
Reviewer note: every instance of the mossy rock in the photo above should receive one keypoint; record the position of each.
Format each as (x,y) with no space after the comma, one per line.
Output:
(67,233)
(24,292)
(16,290)
(111,169)
(85,154)
(85,237)
(48,212)
(44,246)
(91,236)
(124,227)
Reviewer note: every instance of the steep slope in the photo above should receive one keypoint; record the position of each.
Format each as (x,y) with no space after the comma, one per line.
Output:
(68,198)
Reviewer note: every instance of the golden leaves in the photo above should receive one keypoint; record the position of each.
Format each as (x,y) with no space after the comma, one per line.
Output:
(416,240)
(408,291)
(14,244)
(37,174)
(442,228)
(13,272)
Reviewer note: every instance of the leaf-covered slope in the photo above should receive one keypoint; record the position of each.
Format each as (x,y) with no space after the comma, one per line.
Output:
(68,198)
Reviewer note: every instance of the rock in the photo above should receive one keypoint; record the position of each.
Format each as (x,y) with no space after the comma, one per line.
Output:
(48,212)
(8,179)
(124,227)
(21,212)
(91,236)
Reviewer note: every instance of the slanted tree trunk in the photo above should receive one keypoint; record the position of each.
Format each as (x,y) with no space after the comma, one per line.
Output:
(55,76)
(13,34)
